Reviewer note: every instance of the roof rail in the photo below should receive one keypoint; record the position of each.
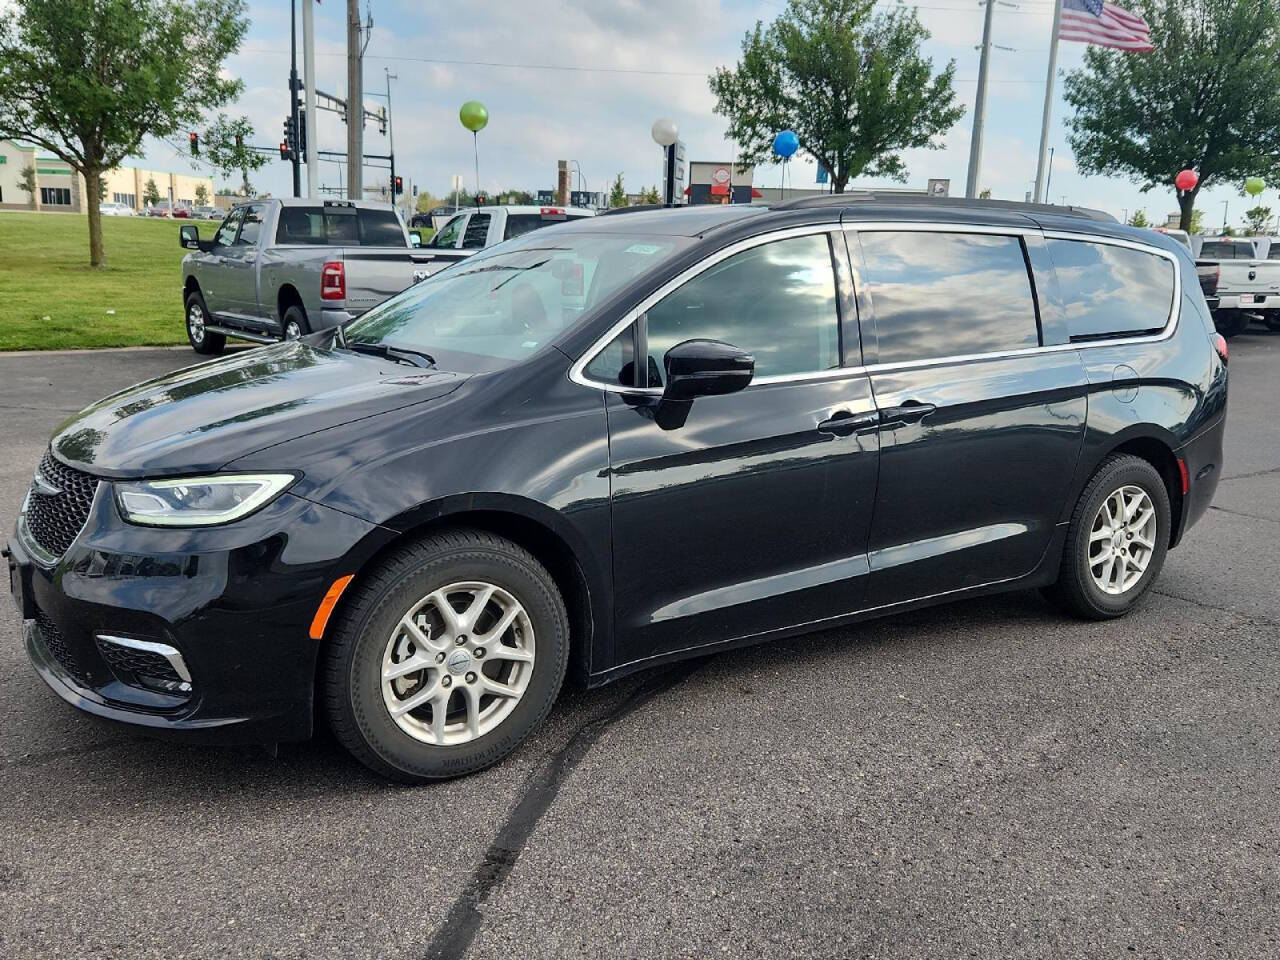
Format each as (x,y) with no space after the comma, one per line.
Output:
(954,203)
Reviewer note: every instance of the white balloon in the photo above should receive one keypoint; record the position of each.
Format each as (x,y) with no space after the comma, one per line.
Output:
(664,131)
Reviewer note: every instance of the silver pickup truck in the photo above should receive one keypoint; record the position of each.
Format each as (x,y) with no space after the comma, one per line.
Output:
(282,268)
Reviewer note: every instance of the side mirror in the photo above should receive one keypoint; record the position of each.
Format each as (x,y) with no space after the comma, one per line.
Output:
(189,236)
(415,238)
(705,368)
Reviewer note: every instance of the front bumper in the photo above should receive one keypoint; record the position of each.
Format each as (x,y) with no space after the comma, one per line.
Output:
(235,603)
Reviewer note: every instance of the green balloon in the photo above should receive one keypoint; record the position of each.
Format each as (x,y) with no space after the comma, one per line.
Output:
(473,115)
(1254,186)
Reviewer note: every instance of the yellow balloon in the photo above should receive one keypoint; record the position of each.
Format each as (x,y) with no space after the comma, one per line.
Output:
(474,116)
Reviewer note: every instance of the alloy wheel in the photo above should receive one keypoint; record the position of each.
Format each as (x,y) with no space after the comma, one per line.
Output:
(292,331)
(1122,540)
(195,322)
(457,663)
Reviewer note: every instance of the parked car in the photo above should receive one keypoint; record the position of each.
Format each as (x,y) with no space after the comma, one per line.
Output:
(279,269)
(165,209)
(616,443)
(206,213)
(115,210)
(1248,284)
(472,230)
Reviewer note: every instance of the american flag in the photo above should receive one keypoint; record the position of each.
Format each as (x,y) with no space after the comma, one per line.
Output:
(1104,24)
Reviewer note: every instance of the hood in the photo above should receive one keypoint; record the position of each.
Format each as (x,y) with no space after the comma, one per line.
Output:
(198,419)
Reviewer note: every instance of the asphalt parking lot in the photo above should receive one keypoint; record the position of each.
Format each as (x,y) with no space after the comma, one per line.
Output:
(982,779)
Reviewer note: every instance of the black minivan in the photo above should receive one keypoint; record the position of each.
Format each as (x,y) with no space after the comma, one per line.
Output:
(617,442)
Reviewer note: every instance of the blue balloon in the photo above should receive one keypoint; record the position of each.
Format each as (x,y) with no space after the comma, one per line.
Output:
(786,143)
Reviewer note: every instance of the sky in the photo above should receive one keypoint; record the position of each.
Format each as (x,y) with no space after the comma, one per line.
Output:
(592,110)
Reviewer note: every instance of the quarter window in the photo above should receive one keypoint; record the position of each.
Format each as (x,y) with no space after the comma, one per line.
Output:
(948,294)
(477,232)
(1111,291)
(777,301)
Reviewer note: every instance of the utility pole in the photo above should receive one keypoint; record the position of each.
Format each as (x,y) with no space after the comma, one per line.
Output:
(1042,184)
(355,104)
(294,84)
(309,69)
(980,107)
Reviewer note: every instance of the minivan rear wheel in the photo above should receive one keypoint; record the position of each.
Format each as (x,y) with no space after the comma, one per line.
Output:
(448,655)
(1116,541)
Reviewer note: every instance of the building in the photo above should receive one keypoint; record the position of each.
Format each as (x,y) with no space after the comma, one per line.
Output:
(716,182)
(59,188)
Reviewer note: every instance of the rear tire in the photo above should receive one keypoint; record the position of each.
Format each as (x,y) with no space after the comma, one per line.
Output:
(294,324)
(1229,323)
(1273,321)
(1111,557)
(492,665)
(202,340)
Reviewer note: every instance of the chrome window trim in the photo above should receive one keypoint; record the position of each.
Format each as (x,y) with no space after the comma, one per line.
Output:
(578,375)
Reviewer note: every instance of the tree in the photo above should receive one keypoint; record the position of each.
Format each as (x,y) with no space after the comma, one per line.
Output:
(1256,219)
(617,193)
(1197,222)
(202,195)
(88,79)
(1139,219)
(985,194)
(651,195)
(150,192)
(27,181)
(848,80)
(1207,98)
(426,200)
(227,147)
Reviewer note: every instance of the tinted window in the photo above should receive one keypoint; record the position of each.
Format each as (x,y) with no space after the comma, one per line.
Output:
(448,235)
(251,230)
(1273,253)
(380,228)
(1109,290)
(948,294)
(477,232)
(519,224)
(777,301)
(1226,250)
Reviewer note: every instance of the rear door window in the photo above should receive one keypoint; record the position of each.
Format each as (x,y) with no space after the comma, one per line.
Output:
(477,232)
(948,294)
(380,228)
(1111,291)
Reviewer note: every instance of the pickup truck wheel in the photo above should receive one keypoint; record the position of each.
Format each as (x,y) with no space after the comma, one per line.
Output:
(295,323)
(1230,322)
(202,341)
(1273,321)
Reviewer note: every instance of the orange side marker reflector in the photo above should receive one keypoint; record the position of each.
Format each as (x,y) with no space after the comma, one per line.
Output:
(321,619)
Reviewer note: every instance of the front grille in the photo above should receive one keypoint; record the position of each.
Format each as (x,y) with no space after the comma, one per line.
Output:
(56,643)
(144,663)
(55,521)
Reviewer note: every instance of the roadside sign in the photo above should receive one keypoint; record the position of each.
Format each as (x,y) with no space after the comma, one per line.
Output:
(822,174)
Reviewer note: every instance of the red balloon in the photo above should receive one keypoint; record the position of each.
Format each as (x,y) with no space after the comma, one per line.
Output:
(1186,180)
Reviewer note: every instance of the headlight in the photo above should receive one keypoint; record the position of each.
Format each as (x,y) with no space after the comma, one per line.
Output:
(198,501)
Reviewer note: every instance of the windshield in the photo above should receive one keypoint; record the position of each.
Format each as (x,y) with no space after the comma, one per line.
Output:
(505,303)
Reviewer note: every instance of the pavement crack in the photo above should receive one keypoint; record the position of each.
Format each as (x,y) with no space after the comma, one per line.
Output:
(49,756)
(454,936)
(1248,516)
(1255,473)
(1247,617)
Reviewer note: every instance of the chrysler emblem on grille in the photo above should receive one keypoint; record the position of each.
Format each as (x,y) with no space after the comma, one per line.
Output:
(43,486)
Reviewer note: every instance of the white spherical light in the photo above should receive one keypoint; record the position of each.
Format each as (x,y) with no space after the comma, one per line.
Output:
(664,131)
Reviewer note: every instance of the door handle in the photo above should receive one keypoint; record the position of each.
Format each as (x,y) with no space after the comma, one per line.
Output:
(842,423)
(911,411)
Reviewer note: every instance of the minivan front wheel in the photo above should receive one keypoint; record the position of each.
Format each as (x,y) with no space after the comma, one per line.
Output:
(1116,541)
(449,654)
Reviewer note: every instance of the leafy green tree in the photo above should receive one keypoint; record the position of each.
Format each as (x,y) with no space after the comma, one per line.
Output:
(1197,222)
(1256,219)
(150,192)
(617,193)
(202,195)
(89,79)
(1207,98)
(1139,219)
(651,195)
(985,194)
(27,181)
(228,147)
(850,81)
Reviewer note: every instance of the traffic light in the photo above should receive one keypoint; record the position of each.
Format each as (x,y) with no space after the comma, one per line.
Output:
(239,141)
(193,139)
(398,185)
(302,133)
(289,147)
(284,150)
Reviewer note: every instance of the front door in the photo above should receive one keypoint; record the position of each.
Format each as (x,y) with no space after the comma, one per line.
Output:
(240,264)
(980,430)
(750,514)
(216,284)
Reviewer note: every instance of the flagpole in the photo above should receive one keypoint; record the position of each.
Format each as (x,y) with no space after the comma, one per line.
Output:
(1042,164)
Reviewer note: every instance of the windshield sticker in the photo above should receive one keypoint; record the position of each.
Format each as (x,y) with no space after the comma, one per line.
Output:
(648,249)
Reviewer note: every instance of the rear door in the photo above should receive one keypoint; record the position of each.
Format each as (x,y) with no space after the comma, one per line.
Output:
(980,429)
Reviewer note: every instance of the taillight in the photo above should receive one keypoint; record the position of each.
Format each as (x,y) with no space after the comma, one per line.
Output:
(1220,344)
(333,281)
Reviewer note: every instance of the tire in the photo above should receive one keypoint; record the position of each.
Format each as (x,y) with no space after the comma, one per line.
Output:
(369,636)
(1078,590)
(1229,323)
(1273,321)
(294,323)
(201,340)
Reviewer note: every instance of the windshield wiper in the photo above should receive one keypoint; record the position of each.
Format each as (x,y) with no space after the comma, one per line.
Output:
(416,358)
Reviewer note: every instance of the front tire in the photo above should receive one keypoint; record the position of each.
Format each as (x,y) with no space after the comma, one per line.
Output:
(201,339)
(446,658)
(1116,541)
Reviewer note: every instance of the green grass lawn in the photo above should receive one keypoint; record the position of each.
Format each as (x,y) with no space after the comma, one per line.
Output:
(50,299)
